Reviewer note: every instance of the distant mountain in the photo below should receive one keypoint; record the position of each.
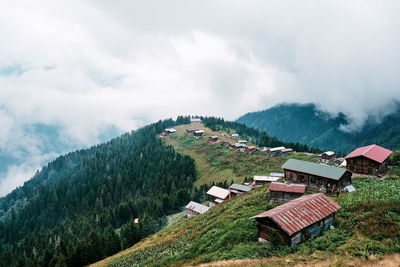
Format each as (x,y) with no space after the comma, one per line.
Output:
(36,144)
(305,123)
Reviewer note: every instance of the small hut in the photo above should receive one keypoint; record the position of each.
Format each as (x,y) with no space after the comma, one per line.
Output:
(298,220)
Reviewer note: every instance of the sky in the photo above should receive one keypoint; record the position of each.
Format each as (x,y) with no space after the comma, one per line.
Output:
(87,70)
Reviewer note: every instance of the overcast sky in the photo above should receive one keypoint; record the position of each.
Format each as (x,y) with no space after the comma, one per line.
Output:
(85,66)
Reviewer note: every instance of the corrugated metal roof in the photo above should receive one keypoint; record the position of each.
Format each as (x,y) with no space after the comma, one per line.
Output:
(235,135)
(290,188)
(199,131)
(251,147)
(329,153)
(197,207)
(240,187)
(277,174)
(314,168)
(301,212)
(214,136)
(265,178)
(287,150)
(218,192)
(373,152)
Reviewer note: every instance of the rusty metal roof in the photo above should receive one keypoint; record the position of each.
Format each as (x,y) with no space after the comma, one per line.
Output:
(290,188)
(301,212)
(374,152)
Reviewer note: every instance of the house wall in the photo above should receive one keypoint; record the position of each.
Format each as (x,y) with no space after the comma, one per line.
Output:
(274,153)
(313,230)
(365,165)
(190,213)
(266,227)
(283,197)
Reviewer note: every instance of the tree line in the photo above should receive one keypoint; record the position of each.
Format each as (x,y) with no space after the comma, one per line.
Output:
(260,138)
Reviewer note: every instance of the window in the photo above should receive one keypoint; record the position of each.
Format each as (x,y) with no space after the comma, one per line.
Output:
(301,178)
(291,176)
(313,179)
(352,168)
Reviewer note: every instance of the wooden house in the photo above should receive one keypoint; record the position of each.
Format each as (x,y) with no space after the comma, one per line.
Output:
(316,176)
(298,220)
(217,195)
(327,156)
(286,151)
(213,139)
(195,120)
(371,160)
(285,192)
(191,131)
(251,149)
(340,162)
(237,189)
(198,133)
(275,151)
(238,146)
(235,136)
(194,209)
(170,131)
(261,180)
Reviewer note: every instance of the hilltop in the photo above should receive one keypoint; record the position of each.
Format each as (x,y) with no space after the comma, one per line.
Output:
(217,163)
(227,233)
(307,124)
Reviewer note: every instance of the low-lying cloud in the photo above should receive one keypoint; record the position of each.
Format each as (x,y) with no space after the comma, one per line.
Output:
(89,65)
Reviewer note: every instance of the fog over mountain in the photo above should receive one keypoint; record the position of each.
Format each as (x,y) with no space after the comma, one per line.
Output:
(73,73)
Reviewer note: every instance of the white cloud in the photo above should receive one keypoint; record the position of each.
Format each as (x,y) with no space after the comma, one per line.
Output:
(86,65)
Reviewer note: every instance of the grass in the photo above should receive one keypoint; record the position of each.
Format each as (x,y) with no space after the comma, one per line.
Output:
(216,163)
(363,230)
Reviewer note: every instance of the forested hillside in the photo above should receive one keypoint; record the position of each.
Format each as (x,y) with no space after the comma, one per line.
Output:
(68,212)
(309,125)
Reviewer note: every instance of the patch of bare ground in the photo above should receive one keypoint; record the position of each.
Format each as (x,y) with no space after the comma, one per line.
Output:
(392,260)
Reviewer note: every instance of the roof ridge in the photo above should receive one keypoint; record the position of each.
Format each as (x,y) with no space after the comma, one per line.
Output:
(370,147)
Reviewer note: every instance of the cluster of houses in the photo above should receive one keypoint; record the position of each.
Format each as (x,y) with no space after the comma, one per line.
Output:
(300,215)
(216,195)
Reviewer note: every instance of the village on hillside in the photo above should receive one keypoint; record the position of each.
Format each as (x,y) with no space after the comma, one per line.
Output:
(301,191)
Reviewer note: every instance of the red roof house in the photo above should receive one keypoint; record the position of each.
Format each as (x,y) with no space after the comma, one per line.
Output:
(370,160)
(297,220)
(285,192)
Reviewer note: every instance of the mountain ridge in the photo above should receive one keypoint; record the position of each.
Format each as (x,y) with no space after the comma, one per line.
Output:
(308,124)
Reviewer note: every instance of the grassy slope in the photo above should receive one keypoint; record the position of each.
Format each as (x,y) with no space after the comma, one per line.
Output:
(226,233)
(217,163)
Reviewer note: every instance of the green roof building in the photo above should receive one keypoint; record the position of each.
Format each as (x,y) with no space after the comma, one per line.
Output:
(316,176)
